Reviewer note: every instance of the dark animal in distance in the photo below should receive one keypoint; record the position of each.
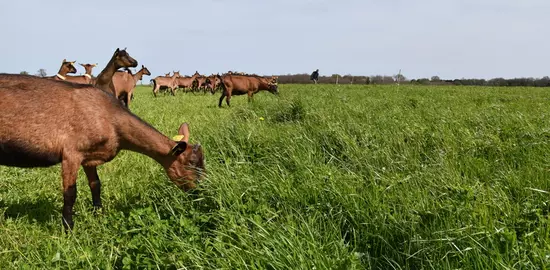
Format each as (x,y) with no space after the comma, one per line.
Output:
(314,76)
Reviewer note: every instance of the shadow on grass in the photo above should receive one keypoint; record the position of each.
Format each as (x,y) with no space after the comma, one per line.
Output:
(39,211)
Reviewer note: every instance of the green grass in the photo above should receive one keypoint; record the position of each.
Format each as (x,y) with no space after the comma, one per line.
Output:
(334,177)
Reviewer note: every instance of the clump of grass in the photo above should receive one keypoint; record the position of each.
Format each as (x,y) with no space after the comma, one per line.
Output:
(295,111)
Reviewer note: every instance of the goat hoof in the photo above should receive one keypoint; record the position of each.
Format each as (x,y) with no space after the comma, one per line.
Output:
(68,225)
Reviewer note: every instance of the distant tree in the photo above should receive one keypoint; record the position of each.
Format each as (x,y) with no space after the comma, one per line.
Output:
(348,78)
(41,73)
(24,73)
(424,81)
(380,79)
(498,82)
(435,79)
(543,82)
(399,77)
(377,79)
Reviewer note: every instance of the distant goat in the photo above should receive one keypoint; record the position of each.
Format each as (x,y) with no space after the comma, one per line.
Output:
(66,68)
(125,83)
(165,83)
(84,79)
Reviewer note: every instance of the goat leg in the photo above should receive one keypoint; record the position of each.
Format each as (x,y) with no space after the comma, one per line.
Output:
(69,172)
(227,99)
(95,186)
(221,99)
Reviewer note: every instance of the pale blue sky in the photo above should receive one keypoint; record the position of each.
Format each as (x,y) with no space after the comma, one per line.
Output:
(449,38)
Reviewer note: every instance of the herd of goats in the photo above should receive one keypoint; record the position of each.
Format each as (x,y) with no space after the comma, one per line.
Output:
(124,82)
(82,121)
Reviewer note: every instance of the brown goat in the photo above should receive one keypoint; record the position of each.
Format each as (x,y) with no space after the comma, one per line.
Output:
(165,83)
(47,122)
(125,83)
(66,68)
(199,83)
(187,82)
(120,59)
(84,79)
(213,82)
(246,84)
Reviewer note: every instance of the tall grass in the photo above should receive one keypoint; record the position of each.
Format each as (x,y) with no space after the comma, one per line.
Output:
(322,177)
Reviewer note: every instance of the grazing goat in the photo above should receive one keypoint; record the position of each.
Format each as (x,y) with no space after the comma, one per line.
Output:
(46,122)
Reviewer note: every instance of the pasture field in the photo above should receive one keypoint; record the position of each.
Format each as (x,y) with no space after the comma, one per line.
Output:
(321,177)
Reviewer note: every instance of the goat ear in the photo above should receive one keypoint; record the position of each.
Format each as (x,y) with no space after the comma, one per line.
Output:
(178,148)
(184,130)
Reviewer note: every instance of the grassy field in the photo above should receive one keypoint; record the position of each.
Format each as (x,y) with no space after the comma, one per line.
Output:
(321,177)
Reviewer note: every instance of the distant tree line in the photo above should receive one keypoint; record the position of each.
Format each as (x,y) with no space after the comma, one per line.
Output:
(535,82)
(304,78)
(435,80)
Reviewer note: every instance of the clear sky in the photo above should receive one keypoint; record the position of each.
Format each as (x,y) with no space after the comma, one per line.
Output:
(448,38)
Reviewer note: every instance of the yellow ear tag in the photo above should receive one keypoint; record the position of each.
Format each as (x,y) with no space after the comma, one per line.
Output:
(178,138)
